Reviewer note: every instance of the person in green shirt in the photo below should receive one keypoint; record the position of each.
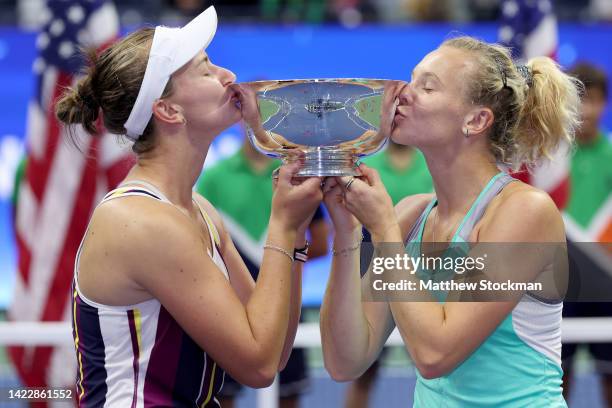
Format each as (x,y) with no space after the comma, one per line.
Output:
(240,188)
(591,173)
(404,172)
(591,184)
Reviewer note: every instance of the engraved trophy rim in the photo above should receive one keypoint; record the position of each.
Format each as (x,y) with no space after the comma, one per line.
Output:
(330,79)
(330,131)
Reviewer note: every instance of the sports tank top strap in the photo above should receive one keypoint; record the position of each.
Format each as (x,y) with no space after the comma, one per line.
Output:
(212,230)
(136,188)
(492,189)
(416,232)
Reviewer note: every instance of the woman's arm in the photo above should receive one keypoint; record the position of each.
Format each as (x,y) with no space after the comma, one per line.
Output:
(242,281)
(353,332)
(244,286)
(296,301)
(164,254)
(440,336)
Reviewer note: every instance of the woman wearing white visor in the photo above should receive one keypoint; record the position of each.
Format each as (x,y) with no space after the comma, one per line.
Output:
(162,300)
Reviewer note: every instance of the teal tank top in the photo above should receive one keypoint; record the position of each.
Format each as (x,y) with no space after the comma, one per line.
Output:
(519,364)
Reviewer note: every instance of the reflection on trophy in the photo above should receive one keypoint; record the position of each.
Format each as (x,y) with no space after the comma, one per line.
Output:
(332,122)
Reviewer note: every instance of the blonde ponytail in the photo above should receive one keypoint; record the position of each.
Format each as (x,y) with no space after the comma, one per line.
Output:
(550,113)
(535,108)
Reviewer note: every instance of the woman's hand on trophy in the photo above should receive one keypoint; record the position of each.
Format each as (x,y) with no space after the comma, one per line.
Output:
(247,99)
(390,101)
(333,197)
(295,199)
(367,199)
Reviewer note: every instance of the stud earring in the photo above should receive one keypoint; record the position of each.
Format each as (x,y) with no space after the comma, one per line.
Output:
(467,133)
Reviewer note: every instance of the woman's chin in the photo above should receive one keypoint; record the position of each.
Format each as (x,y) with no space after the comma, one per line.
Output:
(403,138)
(222,125)
(397,136)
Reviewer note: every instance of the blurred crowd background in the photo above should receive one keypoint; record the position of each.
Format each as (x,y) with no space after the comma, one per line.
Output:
(345,12)
(273,39)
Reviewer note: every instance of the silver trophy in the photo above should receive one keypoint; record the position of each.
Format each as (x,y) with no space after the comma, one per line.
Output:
(329,122)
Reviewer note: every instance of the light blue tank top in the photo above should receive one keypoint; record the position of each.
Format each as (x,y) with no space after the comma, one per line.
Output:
(519,364)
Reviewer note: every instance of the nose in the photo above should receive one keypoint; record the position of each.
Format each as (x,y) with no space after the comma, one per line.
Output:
(406,95)
(226,77)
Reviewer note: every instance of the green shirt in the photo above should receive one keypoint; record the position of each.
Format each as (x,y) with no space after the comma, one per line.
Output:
(233,187)
(414,179)
(590,179)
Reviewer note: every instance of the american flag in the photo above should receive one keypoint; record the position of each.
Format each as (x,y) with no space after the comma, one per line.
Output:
(61,185)
(529,27)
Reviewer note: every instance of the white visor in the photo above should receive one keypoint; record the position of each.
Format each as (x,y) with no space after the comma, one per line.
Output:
(170,50)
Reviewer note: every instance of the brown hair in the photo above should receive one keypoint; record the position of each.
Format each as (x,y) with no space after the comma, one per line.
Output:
(111,84)
(534,110)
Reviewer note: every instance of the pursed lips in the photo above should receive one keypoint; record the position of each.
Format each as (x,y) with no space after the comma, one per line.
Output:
(234,98)
(399,113)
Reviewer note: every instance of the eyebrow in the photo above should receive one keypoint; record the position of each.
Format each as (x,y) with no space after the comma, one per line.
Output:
(428,74)
(203,60)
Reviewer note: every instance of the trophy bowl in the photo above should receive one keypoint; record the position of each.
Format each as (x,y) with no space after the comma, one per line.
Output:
(331,123)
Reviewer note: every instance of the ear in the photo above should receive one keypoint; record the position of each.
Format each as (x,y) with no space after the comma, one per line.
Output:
(478,121)
(168,112)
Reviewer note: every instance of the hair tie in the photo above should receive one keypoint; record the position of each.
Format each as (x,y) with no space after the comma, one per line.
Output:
(91,102)
(526,73)
(502,72)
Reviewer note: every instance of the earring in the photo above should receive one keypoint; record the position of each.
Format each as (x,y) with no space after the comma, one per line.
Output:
(184,121)
(467,133)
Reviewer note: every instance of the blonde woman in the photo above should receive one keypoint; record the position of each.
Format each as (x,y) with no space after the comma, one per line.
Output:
(468,108)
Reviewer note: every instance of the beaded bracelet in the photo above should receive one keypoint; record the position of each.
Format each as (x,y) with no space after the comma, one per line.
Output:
(279,249)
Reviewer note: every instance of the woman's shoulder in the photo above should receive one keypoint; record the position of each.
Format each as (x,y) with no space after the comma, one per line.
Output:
(522,213)
(138,224)
(522,197)
(131,241)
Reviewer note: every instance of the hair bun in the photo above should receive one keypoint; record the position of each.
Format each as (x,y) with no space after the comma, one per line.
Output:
(78,105)
(90,101)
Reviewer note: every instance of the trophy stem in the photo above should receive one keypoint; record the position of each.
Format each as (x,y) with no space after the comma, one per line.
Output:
(323,162)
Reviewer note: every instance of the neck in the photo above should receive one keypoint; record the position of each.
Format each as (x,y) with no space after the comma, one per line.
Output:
(173,167)
(458,179)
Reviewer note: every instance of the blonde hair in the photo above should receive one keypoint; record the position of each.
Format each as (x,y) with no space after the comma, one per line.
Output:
(110,86)
(535,108)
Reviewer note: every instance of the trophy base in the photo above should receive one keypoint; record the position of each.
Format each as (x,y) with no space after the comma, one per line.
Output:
(322,162)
